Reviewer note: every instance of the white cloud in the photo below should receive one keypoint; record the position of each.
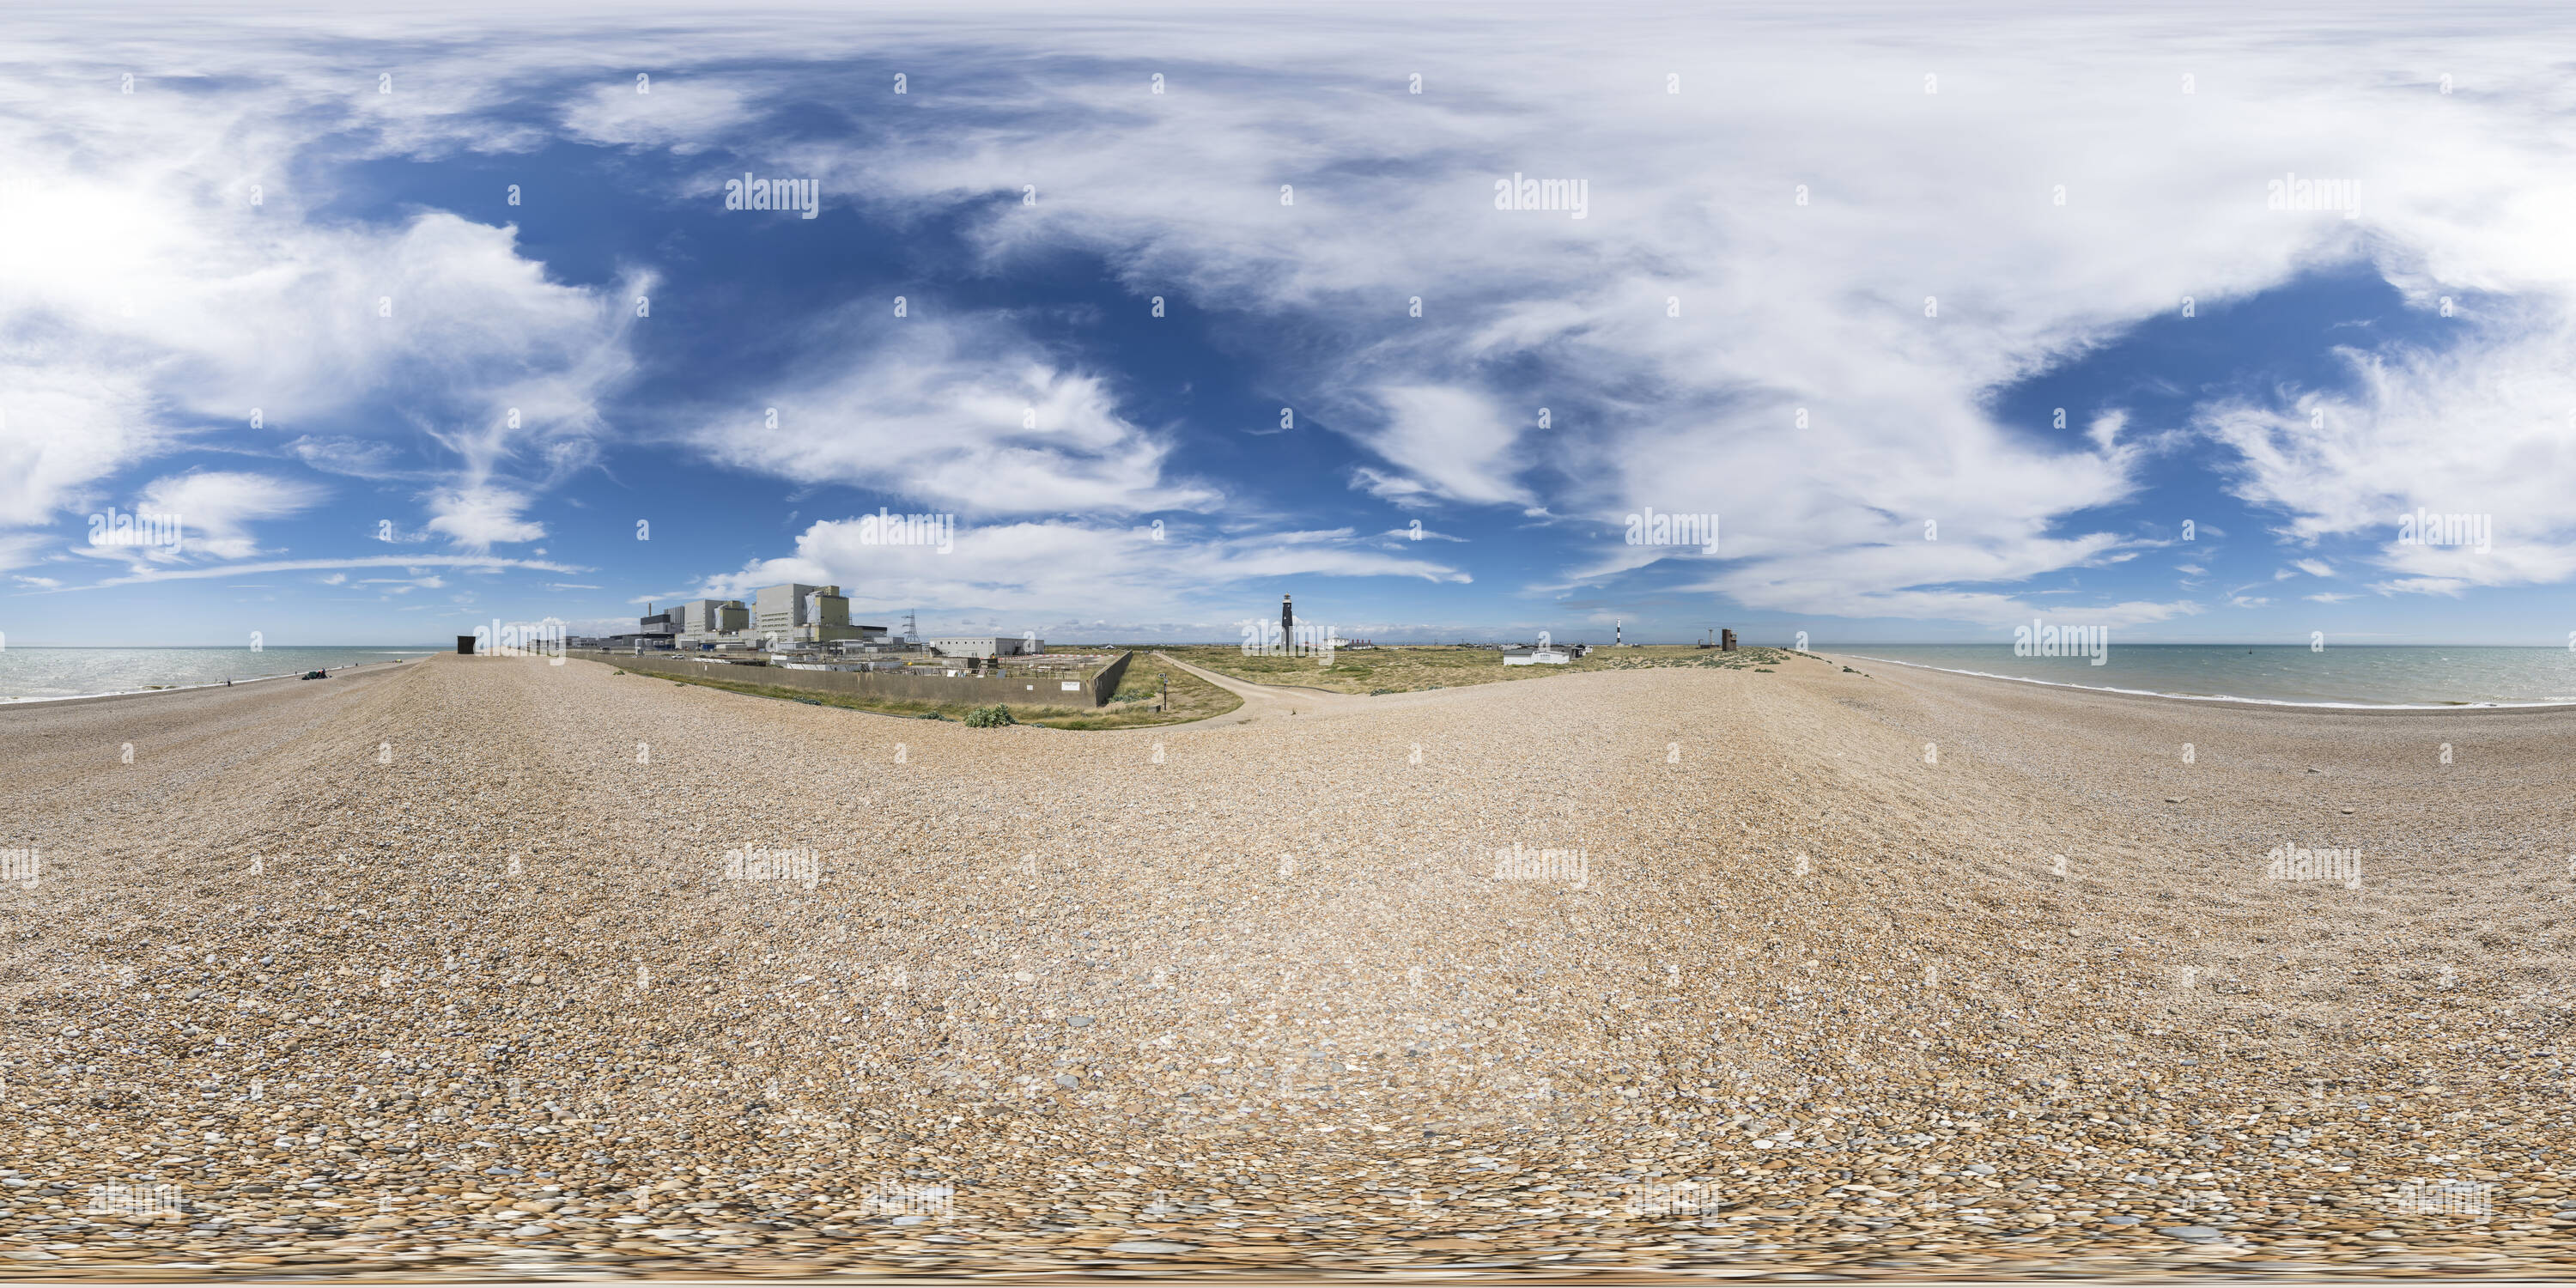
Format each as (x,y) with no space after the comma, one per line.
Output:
(1416,533)
(681,113)
(478,516)
(1052,570)
(170,271)
(2478,429)
(467,562)
(64,428)
(963,415)
(1447,442)
(217,507)
(358,458)
(1777,306)
(1678,329)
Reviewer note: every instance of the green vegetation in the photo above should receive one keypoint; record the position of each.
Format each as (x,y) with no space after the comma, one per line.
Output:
(1192,699)
(1132,706)
(882,706)
(1413,668)
(992,717)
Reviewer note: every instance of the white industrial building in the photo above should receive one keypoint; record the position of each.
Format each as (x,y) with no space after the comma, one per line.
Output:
(987,646)
(782,616)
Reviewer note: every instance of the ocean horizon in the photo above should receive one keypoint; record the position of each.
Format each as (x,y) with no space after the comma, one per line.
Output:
(54,672)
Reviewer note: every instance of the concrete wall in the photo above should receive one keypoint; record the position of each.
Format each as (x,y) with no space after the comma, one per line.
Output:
(982,691)
(1105,685)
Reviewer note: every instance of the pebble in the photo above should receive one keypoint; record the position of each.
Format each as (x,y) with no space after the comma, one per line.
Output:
(1055,997)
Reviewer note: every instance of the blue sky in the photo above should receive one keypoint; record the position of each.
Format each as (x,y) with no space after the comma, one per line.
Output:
(1835,275)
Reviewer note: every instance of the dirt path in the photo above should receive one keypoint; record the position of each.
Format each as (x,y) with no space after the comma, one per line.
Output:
(1264,701)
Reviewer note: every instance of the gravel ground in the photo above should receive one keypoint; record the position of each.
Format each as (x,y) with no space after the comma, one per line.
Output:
(479,966)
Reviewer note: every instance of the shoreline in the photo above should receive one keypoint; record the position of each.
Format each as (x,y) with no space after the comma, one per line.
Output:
(191,688)
(2220,697)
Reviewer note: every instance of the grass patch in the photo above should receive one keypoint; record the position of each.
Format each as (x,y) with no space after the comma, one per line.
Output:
(1414,668)
(1192,699)
(957,711)
(1132,706)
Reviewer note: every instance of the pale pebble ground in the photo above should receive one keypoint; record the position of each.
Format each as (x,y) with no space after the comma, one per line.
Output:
(1818,997)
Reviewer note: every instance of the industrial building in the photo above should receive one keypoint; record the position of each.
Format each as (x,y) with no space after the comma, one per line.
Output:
(987,646)
(801,626)
(712,617)
(655,631)
(787,616)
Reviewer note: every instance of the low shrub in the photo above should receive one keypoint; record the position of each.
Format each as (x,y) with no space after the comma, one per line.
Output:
(992,717)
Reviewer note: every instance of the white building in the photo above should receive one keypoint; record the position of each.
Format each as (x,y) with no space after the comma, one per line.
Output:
(1536,657)
(986,646)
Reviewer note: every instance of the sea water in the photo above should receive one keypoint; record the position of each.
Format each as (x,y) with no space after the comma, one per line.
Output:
(38,673)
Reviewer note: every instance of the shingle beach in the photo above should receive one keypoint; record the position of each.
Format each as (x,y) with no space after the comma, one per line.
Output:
(479,966)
